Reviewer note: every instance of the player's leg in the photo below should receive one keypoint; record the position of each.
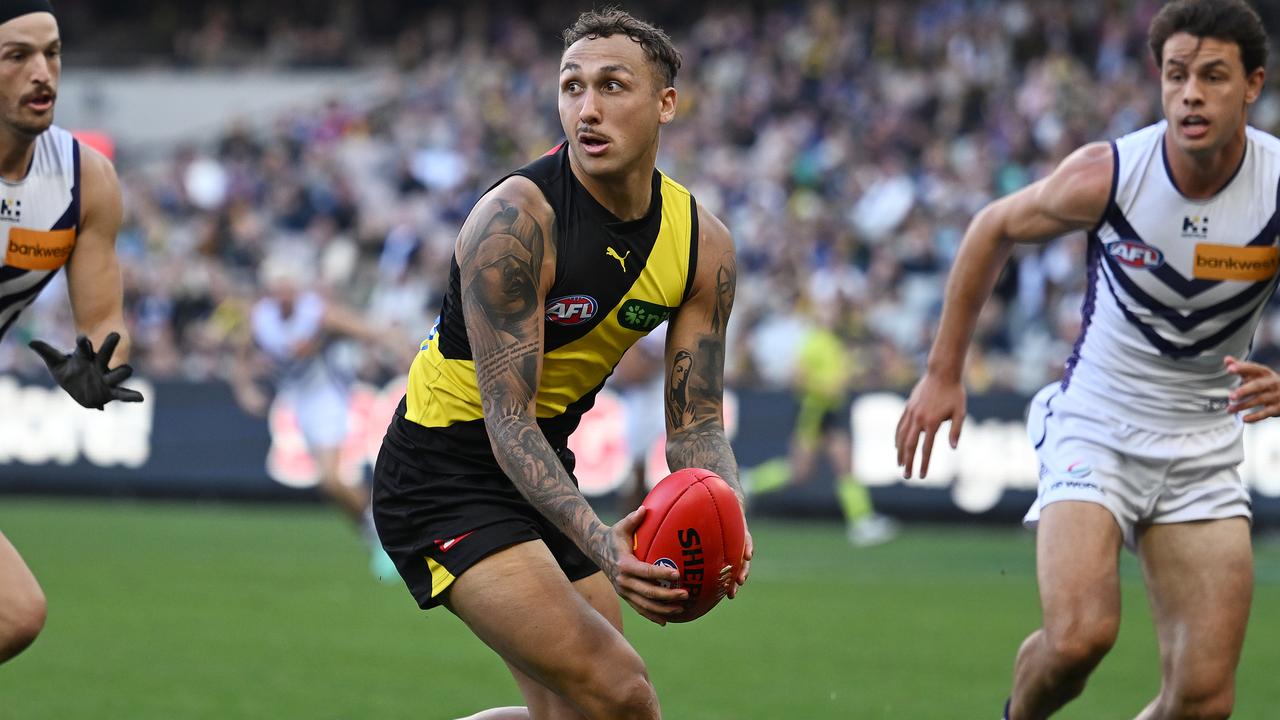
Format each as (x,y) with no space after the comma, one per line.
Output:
(779,472)
(1077,566)
(645,425)
(22,603)
(322,410)
(632,493)
(519,602)
(806,439)
(352,500)
(863,525)
(1199,579)
(543,703)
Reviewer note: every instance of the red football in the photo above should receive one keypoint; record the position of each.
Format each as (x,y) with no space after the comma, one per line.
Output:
(693,523)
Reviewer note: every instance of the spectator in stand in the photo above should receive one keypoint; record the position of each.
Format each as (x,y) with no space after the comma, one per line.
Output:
(847,145)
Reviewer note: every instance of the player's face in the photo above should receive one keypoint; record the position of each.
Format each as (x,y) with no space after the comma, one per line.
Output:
(30,65)
(612,102)
(1206,91)
(284,291)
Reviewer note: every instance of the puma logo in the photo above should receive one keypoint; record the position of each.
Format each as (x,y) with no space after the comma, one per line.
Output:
(622,259)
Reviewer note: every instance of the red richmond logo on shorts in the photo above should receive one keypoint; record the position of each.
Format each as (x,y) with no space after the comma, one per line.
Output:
(446,545)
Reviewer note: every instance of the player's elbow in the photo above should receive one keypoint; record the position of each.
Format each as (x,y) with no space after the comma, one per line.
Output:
(508,430)
(991,226)
(681,440)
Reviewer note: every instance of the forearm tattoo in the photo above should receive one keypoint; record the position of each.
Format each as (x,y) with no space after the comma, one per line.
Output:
(695,395)
(501,264)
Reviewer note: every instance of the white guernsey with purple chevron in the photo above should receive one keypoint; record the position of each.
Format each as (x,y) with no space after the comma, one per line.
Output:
(39,218)
(1175,285)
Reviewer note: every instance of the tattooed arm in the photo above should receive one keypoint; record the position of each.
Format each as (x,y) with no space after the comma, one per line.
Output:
(695,366)
(695,361)
(506,255)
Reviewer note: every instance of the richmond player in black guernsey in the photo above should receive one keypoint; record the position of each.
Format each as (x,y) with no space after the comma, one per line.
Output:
(559,269)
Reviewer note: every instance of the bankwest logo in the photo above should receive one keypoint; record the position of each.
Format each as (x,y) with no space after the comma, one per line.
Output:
(1195,227)
(1227,262)
(39,250)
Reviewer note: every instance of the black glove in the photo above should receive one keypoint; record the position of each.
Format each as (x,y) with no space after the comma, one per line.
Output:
(84,374)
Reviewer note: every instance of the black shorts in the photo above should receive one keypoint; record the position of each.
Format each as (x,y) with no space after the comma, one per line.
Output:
(818,416)
(837,419)
(435,526)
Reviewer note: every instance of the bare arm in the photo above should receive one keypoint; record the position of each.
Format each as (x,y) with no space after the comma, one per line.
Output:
(695,361)
(506,255)
(93,272)
(342,320)
(695,369)
(93,282)
(244,379)
(1073,198)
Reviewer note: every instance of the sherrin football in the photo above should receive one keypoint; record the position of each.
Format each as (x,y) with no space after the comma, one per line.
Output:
(693,523)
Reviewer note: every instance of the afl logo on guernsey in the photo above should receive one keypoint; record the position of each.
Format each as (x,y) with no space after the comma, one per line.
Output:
(1136,254)
(572,309)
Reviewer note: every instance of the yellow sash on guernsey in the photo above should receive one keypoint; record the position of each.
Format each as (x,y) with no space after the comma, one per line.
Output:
(443,391)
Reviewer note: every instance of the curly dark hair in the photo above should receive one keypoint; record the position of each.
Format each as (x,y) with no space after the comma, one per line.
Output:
(1228,20)
(615,21)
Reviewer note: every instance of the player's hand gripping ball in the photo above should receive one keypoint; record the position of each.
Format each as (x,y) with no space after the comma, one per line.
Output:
(693,523)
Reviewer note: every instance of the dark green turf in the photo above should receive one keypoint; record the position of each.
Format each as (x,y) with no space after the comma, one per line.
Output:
(226,612)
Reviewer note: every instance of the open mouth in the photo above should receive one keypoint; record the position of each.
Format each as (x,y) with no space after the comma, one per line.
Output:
(40,102)
(1194,126)
(592,143)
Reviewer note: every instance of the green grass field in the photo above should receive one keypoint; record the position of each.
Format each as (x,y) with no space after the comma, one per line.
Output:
(224,611)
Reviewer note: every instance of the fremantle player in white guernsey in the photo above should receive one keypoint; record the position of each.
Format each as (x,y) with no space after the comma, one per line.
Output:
(1140,441)
(296,329)
(59,206)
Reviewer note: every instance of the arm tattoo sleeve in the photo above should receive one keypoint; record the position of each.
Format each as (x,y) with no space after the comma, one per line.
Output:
(695,396)
(501,266)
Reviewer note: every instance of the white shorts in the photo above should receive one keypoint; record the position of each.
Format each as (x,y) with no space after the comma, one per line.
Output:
(322,415)
(645,417)
(1142,477)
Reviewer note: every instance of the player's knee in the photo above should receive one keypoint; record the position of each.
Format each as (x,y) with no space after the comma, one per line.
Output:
(618,686)
(23,621)
(1079,648)
(632,698)
(1204,703)
(331,481)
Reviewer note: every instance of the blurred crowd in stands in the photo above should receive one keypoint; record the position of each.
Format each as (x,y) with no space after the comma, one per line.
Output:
(846,145)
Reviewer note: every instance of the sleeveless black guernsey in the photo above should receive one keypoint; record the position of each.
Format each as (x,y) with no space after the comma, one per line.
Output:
(615,282)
